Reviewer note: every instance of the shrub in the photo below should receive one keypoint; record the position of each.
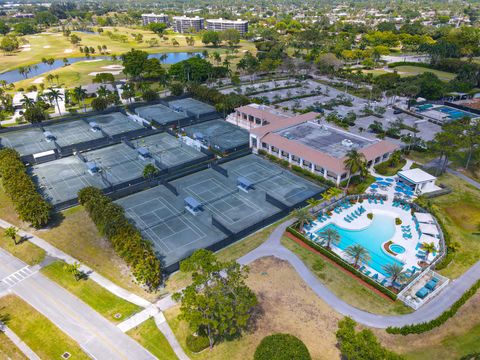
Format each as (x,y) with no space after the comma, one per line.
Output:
(429,325)
(398,221)
(281,347)
(28,203)
(111,222)
(370,216)
(197,343)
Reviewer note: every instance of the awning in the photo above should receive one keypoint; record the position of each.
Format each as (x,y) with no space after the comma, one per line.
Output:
(428,229)
(92,166)
(244,182)
(143,151)
(192,203)
(424,218)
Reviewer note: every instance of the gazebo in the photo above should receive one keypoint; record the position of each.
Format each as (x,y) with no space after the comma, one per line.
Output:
(418,180)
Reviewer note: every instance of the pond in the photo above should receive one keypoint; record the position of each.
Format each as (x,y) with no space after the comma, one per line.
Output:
(41,68)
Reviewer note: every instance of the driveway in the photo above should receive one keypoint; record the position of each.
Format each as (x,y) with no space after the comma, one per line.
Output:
(97,336)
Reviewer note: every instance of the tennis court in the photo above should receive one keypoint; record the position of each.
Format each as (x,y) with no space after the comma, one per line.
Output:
(219,135)
(192,106)
(61,179)
(235,209)
(119,163)
(283,185)
(27,141)
(160,114)
(72,132)
(115,123)
(162,218)
(167,149)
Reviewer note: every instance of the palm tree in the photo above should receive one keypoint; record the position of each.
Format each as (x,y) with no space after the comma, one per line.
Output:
(331,193)
(358,254)
(80,94)
(354,162)
(103,92)
(428,248)
(303,216)
(331,236)
(313,202)
(55,95)
(27,102)
(74,269)
(11,232)
(394,271)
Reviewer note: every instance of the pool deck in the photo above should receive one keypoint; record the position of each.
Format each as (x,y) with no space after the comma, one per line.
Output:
(409,257)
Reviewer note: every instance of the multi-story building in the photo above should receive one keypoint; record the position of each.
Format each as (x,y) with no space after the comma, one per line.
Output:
(184,24)
(154,18)
(222,24)
(303,141)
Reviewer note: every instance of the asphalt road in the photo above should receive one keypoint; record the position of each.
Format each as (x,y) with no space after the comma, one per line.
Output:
(99,338)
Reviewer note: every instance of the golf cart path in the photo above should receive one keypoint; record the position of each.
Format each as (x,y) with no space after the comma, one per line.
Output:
(429,311)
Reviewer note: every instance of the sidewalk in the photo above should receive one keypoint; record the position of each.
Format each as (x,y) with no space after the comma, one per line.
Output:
(29,353)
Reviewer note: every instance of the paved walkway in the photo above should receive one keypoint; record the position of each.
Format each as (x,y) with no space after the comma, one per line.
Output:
(98,337)
(24,348)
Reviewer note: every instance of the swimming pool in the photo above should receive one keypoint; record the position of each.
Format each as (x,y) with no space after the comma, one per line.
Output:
(381,229)
(455,113)
(397,249)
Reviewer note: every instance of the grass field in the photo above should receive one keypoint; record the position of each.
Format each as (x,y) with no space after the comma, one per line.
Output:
(286,304)
(148,335)
(346,287)
(25,251)
(386,170)
(407,70)
(43,337)
(8,350)
(101,300)
(460,212)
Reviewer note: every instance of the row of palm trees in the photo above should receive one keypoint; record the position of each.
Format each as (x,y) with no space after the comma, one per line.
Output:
(52,95)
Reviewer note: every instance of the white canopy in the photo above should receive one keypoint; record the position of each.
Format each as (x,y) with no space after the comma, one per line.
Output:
(416,176)
(428,239)
(424,218)
(428,229)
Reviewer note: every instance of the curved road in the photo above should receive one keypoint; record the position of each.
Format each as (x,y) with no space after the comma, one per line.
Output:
(429,311)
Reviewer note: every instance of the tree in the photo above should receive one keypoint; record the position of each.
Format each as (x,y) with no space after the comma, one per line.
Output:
(394,271)
(194,69)
(313,202)
(79,95)
(218,303)
(74,269)
(428,248)
(281,347)
(75,39)
(99,104)
(303,217)
(211,37)
(133,62)
(157,28)
(149,171)
(354,162)
(4,28)
(9,44)
(103,78)
(358,254)
(11,232)
(331,236)
(230,36)
(128,91)
(176,88)
(55,95)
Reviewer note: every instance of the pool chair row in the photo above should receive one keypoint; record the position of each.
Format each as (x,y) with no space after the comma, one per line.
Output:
(412,271)
(403,206)
(427,289)
(342,206)
(308,225)
(375,201)
(355,214)
(407,234)
(323,217)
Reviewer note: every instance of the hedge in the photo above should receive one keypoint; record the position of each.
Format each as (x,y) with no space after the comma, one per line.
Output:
(338,260)
(429,325)
(197,343)
(281,347)
(127,241)
(410,63)
(28,203)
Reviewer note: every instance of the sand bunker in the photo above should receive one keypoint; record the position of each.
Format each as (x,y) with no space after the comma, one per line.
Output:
(113,67)
(27,49)
(68,51)
(94,60)
(47,47)
(107,72)
(38,81)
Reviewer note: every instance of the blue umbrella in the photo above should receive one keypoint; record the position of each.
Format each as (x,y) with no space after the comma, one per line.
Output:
(374,186)
(379,179)
(383,183)
(398,188)
(389,180)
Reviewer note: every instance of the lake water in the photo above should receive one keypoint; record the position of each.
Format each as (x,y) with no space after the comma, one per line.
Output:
(13,75)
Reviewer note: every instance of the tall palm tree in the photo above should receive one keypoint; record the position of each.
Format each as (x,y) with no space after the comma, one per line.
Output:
(103,92)
(394,271)
(428,248)
(358,254)
(354,162)
(27,102)
(80,94)
(303,216)
(331,236)
(55,95)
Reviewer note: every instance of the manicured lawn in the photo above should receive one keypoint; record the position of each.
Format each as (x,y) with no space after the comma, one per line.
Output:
(286,305)
(42,336)
(148,335)
(25,251)
(346,287)
(386,170)
(460,212)
(407,70)
(375,72)
(8,350)
(91,293)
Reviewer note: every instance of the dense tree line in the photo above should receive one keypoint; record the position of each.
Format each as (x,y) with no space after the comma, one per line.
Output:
(127,241)
(29,204)
(223,102)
